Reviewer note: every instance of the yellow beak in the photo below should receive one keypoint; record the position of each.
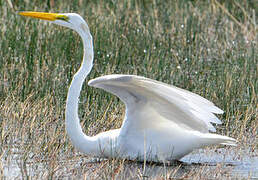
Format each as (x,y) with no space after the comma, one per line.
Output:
(45,16)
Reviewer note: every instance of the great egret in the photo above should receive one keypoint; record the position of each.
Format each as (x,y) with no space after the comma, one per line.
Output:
(162,122)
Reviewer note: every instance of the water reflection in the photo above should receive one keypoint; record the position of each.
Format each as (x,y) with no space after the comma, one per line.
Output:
(229,162)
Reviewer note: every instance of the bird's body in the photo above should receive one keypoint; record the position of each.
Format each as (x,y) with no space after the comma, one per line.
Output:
(162,122)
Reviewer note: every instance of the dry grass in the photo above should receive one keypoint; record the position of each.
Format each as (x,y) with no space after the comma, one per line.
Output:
(209,48)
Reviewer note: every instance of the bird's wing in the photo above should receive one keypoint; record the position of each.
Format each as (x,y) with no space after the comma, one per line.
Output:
(148,100)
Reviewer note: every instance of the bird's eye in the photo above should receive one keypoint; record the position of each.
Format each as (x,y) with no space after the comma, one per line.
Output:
(63,17)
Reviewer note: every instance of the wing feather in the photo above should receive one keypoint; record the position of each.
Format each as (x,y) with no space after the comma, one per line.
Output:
(180,106)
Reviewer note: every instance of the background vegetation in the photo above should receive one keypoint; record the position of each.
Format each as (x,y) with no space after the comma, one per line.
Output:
(207,47)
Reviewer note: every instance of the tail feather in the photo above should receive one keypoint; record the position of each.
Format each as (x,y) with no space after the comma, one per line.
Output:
(212,139)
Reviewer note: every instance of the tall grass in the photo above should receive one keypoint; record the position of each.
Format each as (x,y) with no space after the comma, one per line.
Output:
(207,47)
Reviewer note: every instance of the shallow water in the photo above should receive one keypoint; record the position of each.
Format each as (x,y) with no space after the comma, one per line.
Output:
(230,162)
(239,163)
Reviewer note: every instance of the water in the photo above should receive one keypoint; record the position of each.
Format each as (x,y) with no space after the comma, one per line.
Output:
(240,163)
(229,162)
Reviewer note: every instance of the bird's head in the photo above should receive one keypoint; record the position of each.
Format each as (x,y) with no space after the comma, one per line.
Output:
(70,20)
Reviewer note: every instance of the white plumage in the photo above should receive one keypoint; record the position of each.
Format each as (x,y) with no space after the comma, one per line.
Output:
(162,122)
(170,121)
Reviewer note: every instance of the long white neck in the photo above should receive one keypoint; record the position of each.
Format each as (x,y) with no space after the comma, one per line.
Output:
(82,142)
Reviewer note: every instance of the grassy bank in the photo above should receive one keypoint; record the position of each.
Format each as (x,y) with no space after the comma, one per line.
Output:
(209,48)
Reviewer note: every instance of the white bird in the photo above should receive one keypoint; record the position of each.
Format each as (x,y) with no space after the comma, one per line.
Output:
(162,122)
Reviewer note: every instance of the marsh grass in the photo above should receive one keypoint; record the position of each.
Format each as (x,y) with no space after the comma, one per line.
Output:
(209,48)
